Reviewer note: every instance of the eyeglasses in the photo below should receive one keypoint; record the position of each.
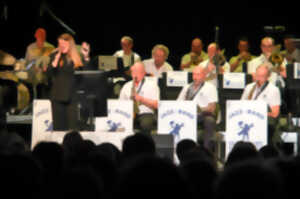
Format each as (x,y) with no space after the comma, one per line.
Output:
(266,46)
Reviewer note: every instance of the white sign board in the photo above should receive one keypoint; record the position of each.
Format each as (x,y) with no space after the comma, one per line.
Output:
(41,120)
(119,117)
(246,120)
(178,118)
(296,70)
(234,80)
(177,78)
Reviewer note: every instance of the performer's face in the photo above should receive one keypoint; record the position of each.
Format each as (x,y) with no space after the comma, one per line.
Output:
(159,57)
(198,75)
(137,73)
(262,75)
(63,45)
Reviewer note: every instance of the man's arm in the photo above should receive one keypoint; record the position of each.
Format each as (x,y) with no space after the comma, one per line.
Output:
(211,107)
(275,110)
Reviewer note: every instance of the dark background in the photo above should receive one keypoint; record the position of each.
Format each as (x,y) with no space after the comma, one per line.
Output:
(175,24)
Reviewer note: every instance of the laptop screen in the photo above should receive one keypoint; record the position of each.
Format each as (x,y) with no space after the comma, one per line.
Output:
(107,62)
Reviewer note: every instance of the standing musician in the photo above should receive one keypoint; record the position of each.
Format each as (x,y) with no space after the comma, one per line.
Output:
(190,60)
(244,56)
(63,62)
(145,94)
(268,49)
(206,97)
(262,89)
(37,57)
(214,55)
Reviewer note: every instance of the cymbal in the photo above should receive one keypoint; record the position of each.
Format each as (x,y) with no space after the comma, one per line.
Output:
(6,59)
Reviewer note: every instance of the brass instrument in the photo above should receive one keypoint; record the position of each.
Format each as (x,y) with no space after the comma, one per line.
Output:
(218,60)
(136,104)
(276,60)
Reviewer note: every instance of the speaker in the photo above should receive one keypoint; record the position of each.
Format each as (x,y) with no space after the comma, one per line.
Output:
(164,144)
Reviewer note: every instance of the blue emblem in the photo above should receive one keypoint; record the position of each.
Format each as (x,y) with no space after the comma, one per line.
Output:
(175,129)
(49,125)
(244,132)
(113,126)
(227,82)
(171,81)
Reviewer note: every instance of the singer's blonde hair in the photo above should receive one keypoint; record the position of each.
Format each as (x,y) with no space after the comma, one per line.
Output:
(72,53)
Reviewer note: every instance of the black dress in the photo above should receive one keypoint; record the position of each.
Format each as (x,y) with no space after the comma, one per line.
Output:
(62,94)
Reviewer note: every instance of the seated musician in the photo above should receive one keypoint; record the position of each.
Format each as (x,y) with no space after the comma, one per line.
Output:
(215,58)
(145,94)
(158,64)
(192,59)
(206,96)
(262,89)
(244,56)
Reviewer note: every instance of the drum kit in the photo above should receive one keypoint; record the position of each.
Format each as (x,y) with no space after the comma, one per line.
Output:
(18,76)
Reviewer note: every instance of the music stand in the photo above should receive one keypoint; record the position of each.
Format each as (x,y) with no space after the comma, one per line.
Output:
(292,89)
(228,94)
(170,93)
(92,94)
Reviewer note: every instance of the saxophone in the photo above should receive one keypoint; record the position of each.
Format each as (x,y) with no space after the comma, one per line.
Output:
(136,104)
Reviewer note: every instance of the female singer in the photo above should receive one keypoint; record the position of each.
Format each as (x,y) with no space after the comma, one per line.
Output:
(63,62)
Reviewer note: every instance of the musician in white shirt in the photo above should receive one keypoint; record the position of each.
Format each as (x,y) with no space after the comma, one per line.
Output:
(267,47)
(206,96)
(158,64)
(261,89)
(146,95)
(128,56)
(214,50)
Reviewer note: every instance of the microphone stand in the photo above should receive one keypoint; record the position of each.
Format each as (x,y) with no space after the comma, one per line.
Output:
(44,7)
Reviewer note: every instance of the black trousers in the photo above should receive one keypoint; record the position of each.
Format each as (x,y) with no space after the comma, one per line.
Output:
(64,115)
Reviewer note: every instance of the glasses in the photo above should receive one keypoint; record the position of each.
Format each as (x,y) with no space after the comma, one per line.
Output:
(266,46)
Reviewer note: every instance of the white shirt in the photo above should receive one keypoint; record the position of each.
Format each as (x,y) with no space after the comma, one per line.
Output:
(207,94)
(254,63)
(127,58)
(151,68)
(214,81)
(271,94)
(148,89)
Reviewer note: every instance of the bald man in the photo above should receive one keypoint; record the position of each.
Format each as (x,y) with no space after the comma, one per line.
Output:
(205,95)
(261,89)
(145,95)
(193,58)
(212,50)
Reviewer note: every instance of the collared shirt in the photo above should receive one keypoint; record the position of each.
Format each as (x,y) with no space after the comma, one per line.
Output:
(239,68)
(187,58)
(151,68)
(256,62)
(33,52)
(295,54)
(207,94)
(271,94)
(148,89)
(127,58)
(205,63)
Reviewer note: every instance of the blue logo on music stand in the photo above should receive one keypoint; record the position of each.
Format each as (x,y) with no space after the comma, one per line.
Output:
(244,132)
(49,125)
(175,129)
